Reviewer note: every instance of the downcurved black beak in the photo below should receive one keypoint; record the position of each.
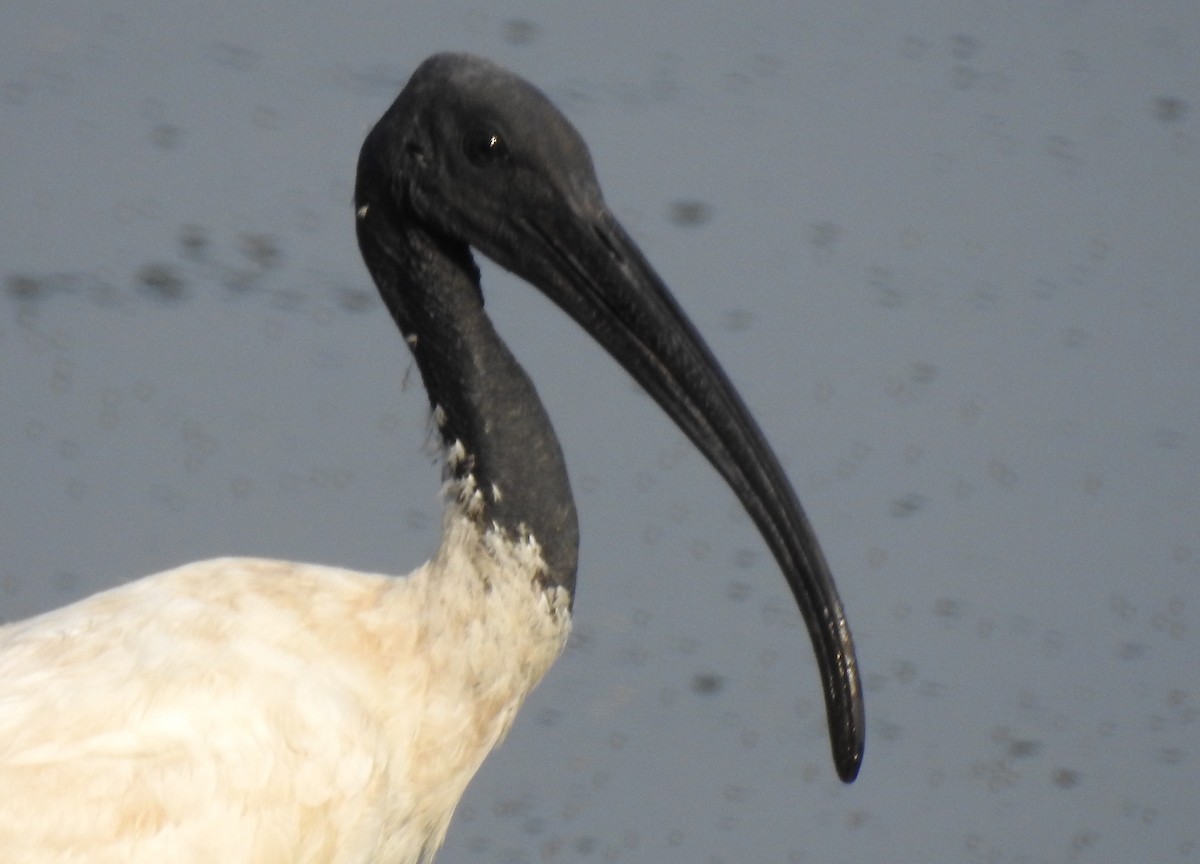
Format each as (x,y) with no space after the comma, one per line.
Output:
(591,268)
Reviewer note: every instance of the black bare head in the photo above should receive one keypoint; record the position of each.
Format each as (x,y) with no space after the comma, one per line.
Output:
(470,155)
(475,152)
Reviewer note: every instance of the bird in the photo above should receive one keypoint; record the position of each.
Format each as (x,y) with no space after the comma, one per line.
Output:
(253,710)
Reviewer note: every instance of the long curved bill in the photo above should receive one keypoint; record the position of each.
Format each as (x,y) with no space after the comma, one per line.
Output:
(587,264)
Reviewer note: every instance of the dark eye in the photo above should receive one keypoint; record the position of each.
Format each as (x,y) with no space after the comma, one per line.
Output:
(483,146)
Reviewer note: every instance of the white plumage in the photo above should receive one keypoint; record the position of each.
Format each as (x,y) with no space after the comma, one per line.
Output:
(248,710)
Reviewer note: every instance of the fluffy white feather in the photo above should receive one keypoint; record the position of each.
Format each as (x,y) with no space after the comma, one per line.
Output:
(247,710)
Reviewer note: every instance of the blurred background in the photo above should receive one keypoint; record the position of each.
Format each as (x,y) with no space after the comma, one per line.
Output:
(949,252)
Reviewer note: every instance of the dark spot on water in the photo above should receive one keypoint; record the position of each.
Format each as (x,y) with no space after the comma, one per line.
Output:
(1169,109)
(1063,152)
(1122,607)
(738,590)
(1131,650)
(23,287)
(882,280)
(356,299)
(944,607)
(1075,337)
(963,47)
(520,31)
(194,242)
(240,279)
(1171,756)
(1023,748)
(922,372)
(166,136)
(906,505)
(744,559)
(824,235)
(161,281)
(689,213)
(506,808)
(707,683)
(904,671)
(585,845)
(1001,472)
(1168,439)
(236,57)
(1065,778)
(262,250)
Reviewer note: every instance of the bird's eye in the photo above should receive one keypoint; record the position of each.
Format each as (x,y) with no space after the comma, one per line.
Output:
(483,146)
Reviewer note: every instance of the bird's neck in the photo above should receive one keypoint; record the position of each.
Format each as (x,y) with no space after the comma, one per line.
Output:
(502,455)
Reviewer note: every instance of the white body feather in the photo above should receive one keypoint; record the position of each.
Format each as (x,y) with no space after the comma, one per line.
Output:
(244,710)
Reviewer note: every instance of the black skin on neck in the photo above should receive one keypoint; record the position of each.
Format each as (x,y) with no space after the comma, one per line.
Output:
(480,394)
